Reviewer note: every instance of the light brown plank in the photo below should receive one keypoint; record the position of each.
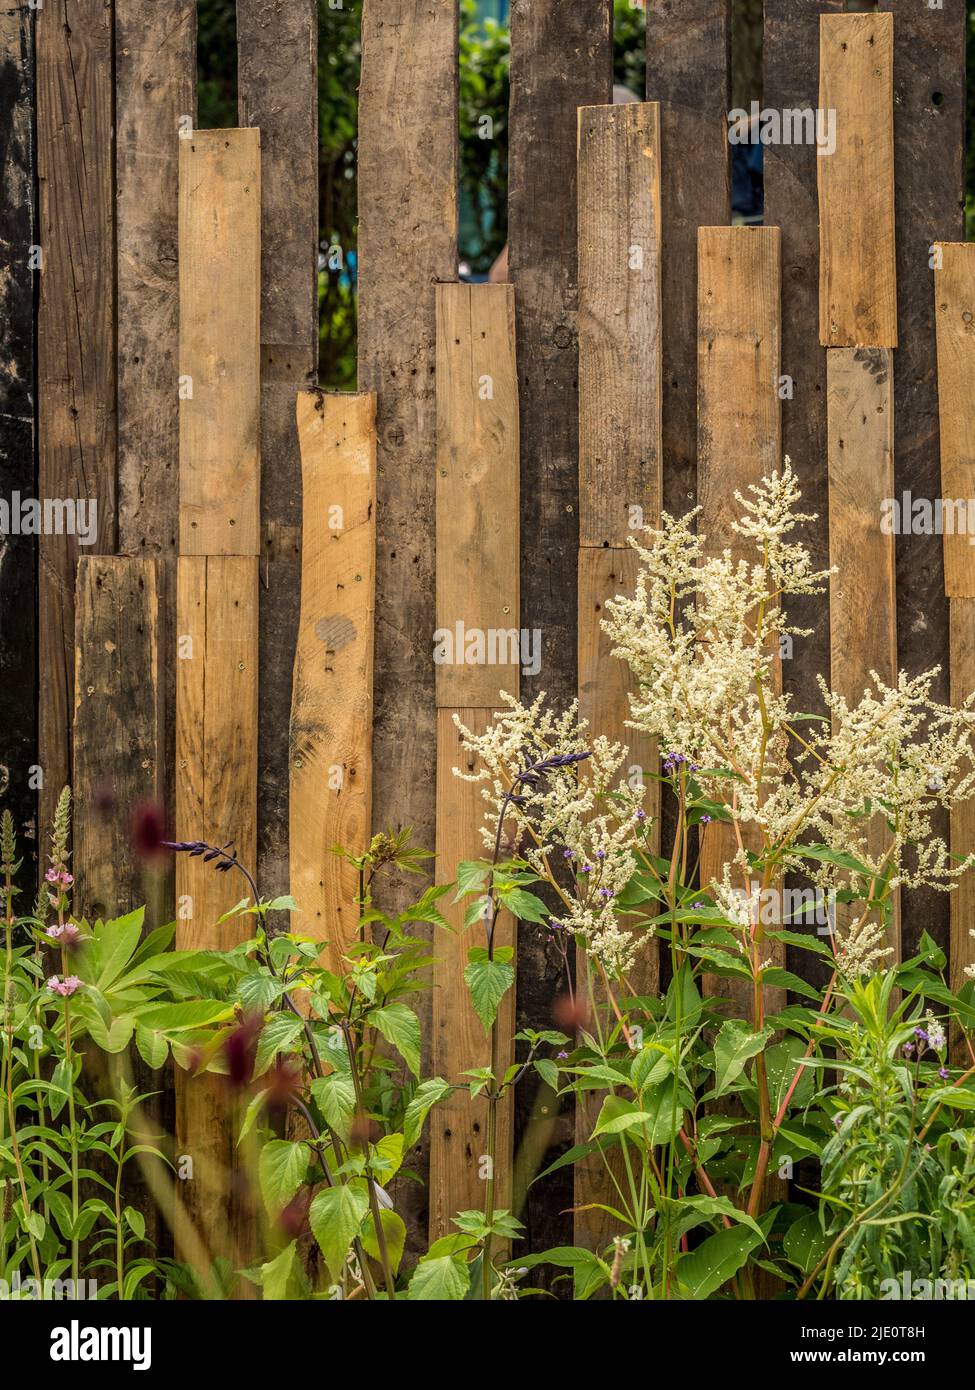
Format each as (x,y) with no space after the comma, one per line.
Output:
(477,496)
(739,438)
(331,712)
(116,728)
(75,338)
(619,321)
(862,600)
(219,350)
(857,273)
(216,800)
(458,1126)
(961,612)
(954,297)
(604,689)
(277,90)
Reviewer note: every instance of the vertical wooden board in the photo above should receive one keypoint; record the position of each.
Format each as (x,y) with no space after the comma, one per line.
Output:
(216,722)
(407,175)
(75,336)
(477,497)
(739,439)
(407,243)
(155,97)
(604,688)
(954,294)
(790,73)
(18,554)
(458,1126)
(929,198)
(331,712)
(277,85)
(861,475)
(116,728)
(688,45)
(219,349)
(739,436)
(962,827)
(216,800)
(862,600)
(858,275)
(619,321)
(561,59)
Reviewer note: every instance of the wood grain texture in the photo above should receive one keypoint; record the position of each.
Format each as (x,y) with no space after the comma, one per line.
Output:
(331,712)
(407,243)
(216,800)
(458,1126)
(75,336)
(862,597)
(739,435)
(117,713)
(790,81)
(619,321)
(18,554)
(929,120)
(858,274)
(277,87)
(561,59)
(477,497)
(688,45)
(954,294)
(219,349)
(155,88)
(605,685)
(962,818)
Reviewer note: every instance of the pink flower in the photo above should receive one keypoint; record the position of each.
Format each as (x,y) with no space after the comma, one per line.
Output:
(66,934)
(65,987)
(61,877)
(52,875)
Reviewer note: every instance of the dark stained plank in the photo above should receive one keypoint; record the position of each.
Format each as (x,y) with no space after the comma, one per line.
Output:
(929,113)
(688,73)
(561,59)
(790,56)
(277,85)
(75,335)
(155,99)
(18,554)
(116,727)
(407,243)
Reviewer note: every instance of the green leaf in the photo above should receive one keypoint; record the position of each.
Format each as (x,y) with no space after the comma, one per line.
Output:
(136,1221)
(281,1169)
(279,1277)
(183,1017)
(336,1215)
(401,1028)
(279,1034)
(618,1114)
(394,1233)
(442,1279)
(152,1046)
(488,981)
(733,1047)
(427,1094)
(472,877)
(805,1242)
(589,1272)
(335,1097)
(548,1071)
(716,1260)
(523,905)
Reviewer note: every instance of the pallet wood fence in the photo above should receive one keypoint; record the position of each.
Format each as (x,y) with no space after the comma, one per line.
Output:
(268,676)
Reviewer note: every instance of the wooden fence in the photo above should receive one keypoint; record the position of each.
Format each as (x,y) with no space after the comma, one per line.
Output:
(249,637)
